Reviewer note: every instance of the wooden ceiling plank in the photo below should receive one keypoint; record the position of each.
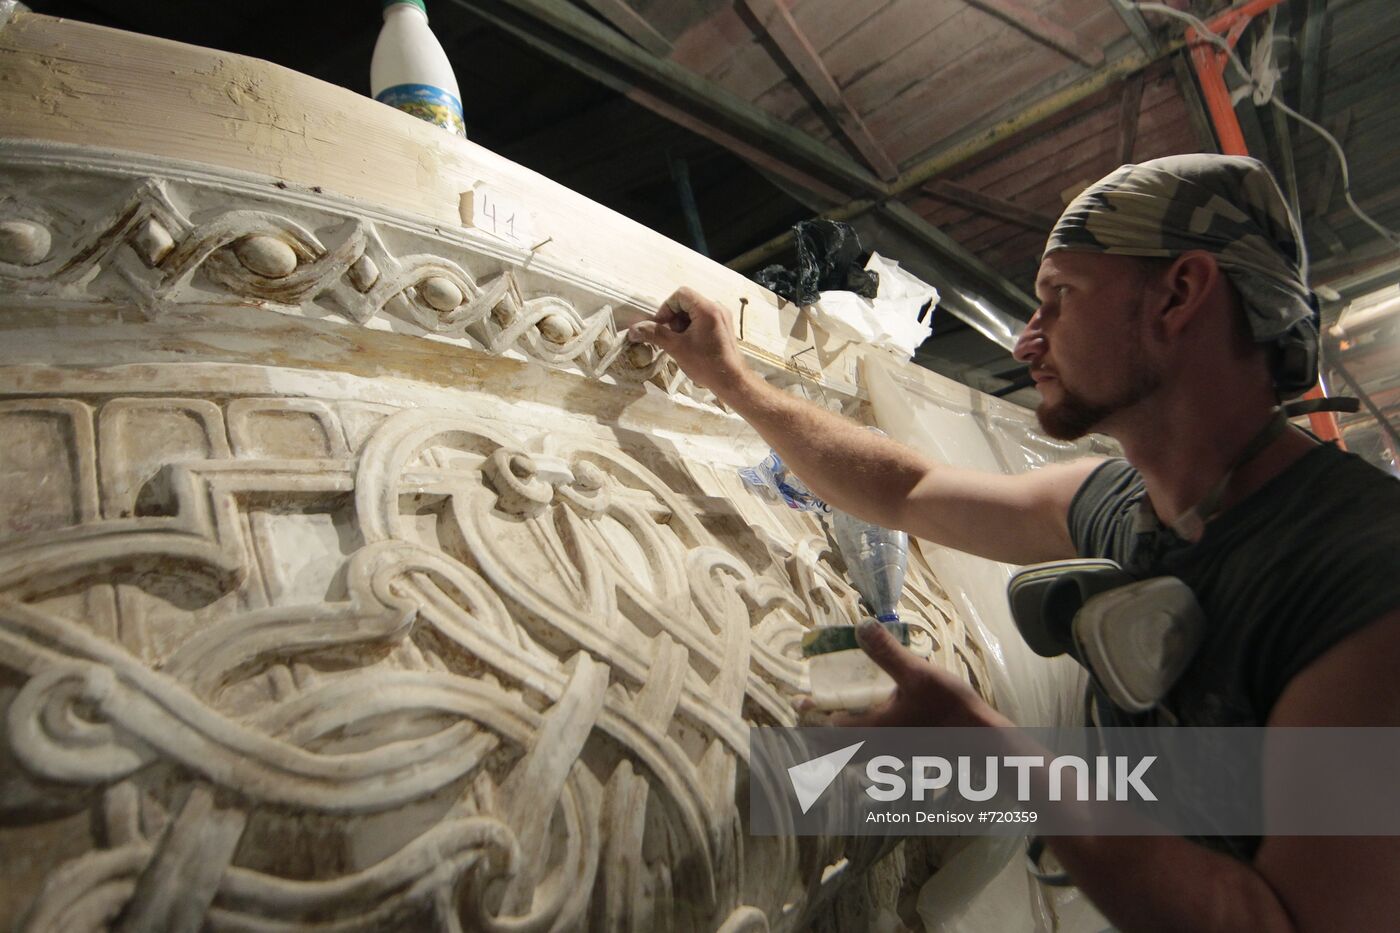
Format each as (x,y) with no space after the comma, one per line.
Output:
(1006,73)
(783,143)
(990,206)
(633,25)
(1011,172)
(912,36)
(978,232)
(1043,194)
(834,26)
(1327,185)
(1128,114)
(1043,30)
(1314,64)
(774,17)
(1195,107)
(746,150)
(900,93)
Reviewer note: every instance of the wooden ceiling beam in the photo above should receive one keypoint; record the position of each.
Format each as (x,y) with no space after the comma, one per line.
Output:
(1137,26)
(633,25)
(1128,113)
(777,22)
(990,206)
(1047,32)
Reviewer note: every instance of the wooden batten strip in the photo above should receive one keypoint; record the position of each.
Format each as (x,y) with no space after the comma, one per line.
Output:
(990,206)
(633,25)
(1128,117)
(1043,30)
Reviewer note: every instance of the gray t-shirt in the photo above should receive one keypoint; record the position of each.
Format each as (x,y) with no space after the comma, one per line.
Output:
(1304,561)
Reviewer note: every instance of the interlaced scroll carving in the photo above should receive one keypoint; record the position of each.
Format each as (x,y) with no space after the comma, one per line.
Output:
(433,674)
(169,246)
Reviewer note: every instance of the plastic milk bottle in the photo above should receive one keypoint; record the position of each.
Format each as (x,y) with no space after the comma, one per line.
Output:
(410,71)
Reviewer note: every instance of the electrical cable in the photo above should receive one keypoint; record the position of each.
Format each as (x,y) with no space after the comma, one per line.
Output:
(1264,93)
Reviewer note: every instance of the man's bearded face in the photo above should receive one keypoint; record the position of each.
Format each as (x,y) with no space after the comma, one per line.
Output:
(1089,356)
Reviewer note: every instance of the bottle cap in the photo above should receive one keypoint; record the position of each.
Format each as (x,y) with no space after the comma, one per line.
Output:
(418,3)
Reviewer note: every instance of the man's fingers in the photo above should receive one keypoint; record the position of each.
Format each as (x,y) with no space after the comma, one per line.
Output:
(683,301)
(651,332)
(885,650)
(686,304)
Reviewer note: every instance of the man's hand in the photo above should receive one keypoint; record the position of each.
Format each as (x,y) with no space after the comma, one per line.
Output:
(923,694)
(698,335)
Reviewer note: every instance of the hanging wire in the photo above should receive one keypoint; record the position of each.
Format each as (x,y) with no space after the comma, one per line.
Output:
(1263,92)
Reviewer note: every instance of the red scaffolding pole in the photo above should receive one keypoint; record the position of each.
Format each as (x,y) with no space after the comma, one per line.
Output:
(1209,61)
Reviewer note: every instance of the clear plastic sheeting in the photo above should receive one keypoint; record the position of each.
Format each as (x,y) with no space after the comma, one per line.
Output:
(985,887)
(996,325)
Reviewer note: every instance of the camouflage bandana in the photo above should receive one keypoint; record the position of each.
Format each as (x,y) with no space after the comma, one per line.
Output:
(1228,206)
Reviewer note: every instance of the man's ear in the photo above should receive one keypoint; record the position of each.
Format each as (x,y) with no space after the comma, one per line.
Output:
(1188,286)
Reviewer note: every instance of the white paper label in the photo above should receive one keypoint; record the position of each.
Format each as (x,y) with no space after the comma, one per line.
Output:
(490,211)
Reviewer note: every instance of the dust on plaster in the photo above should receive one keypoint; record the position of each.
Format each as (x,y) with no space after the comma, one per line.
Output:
(262,112)
(532,395)
(401,372)
(274,121)
(45,80)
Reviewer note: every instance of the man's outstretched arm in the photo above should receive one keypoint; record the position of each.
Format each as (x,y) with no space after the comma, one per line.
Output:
(1019,519)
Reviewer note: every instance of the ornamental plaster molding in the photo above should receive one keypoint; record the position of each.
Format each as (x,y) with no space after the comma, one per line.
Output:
(89,229)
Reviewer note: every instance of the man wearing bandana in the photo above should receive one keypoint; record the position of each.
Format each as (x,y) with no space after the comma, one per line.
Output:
(1174,317)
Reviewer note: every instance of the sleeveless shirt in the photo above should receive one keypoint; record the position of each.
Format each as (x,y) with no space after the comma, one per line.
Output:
(1305,560)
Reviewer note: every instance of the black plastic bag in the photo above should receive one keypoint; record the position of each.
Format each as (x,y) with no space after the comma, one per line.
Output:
(829,258)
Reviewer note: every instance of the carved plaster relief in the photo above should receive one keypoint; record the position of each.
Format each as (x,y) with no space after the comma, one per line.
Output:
(321,662)
(348,654)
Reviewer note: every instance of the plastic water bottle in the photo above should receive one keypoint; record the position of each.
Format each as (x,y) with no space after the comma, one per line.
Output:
(841,674)
(410,71)
(876,560)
